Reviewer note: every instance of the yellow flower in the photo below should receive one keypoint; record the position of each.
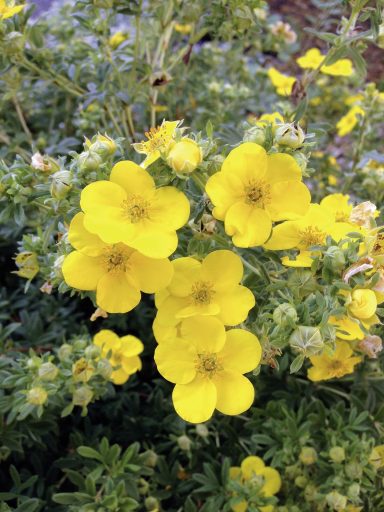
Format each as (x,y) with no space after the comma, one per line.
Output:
(208,372)
(130,209)
(116,272)
(159,140)
(355,98)
(205,288)
(339,205)
(275,118)
(253,469)
(348,122)
(27,264)
(347,328)
(332,180)
(116,39)
(311,229)
(183,28)
(7,10)
(363,304)
(376,457)
(123,354)
(82,370)
(37,396)
(313,58)
(327,367)
(184,156)
(283,83)
(253,189)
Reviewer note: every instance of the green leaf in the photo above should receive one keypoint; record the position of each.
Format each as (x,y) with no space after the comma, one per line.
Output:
(296,364)
(89,453)
(64,498)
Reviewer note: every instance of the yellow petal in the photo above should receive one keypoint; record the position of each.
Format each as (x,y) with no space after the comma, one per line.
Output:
(248,226)
(106,339)
(272,483)
(242,506)
(241,352)
(131,346)
(176,361)
(284,236)
(153,241)
(102,194)
(11,11)
(224,189)
(81,271)
(199,309)
(152,274)
(170,208)
(195,402)
(119,377)
(167,313)
(163,332)
(235,393)
(289,200)
(224,268)
(116,293)
(252,466)
(235,305)
(83,240)
(247,161)
(282,167)
(132,178)
(131,365)
(186,271)
(206,333)
(302,260)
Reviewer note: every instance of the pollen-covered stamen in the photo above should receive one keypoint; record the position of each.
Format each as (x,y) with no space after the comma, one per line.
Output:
(116,259)
(158,138)
(338,368)
(257,193)
(312,235)
(202,293)
(208,364)
(136,208)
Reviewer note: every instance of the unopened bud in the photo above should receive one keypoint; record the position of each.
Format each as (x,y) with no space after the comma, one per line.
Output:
(82,370)
(89,161)
(103,145)
(202,430)
(184,443)
(37,396)
(354,470)
(151,504)
(61,184)
(82,396)
(255,134)
(150,458)
(353,491)
(337,454)
(306,340)
(301,481)
(64,352)
(184,156)
(290,135)
(336,501)
(48,371)
(284,313)
(92,352)
(308,455)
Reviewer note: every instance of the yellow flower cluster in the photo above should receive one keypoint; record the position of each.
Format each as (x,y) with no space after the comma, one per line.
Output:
(254,189)
(123,237)
(282,83)
(205,362)
(254,472)
(123,354)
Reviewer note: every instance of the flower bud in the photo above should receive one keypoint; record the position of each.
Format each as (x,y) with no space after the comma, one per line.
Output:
(308,455)
(363,214)
(336,501)
(334,259)
(306,340)
(151,504)
(82,396)
(202,430)
(284,313)
(61,184)
(354,470)
(376,457)
(92,352)
(310,492)
(290,135)
(255,134)
(104,368)
(143,487)
(150,458)
(48,371)
(337,453)
(301,481)
(104,146)
(184,156)
(82,370)
(44,163)
(13,43)
(363,303)
(89,161)
(353,491)
(37,396)
(64,352)
(184,443)
(116,39)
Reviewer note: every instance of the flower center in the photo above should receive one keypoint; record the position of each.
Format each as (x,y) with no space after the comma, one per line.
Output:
(136,208)
(257,193)
(337,367)
(116,259)
(312,235)
(208,364)
(158,138)
(202,293)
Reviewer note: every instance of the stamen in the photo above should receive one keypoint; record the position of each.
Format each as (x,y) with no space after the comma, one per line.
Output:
(208,364)
(202,293)
(312,235)
(257,193)
(136,208)
(116,259)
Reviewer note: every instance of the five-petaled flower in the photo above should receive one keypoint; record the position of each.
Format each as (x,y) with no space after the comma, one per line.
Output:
(340,363)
